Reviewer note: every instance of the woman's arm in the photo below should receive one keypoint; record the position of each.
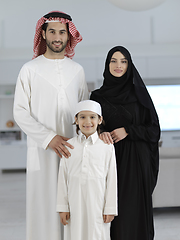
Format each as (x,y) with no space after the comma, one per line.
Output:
(148,133)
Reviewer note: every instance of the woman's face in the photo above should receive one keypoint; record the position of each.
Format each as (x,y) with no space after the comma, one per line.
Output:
(118,64)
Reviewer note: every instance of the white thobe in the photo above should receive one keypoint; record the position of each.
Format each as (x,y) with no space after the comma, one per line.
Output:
(87,188)
(46,93)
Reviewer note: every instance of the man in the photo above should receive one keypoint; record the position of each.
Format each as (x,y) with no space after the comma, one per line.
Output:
(48,88)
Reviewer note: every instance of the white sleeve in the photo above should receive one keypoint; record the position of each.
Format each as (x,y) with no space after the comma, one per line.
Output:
(83,91)
(62,188)
(22,112)
(110,207)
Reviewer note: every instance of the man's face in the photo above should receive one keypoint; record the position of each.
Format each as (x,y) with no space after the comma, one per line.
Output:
(56,37)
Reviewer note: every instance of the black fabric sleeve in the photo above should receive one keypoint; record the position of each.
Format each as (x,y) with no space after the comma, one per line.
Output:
(144,129)
(146,133)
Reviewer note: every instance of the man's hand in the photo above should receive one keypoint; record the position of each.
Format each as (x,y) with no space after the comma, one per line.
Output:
(108,218)
(58,144)
(64,217)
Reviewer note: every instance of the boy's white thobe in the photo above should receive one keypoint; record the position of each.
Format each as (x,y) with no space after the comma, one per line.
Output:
(87,188)
(47,92)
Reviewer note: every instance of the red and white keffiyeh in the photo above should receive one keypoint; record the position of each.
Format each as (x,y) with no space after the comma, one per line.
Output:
(40,43)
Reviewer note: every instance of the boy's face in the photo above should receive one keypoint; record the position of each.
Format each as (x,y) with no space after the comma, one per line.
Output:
(88,122)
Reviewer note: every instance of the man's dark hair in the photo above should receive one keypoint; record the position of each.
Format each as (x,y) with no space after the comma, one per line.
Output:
(45,25)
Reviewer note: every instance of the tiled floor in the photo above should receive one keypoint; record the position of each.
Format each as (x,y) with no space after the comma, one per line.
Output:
(12,206)
(12,211)
(167,223)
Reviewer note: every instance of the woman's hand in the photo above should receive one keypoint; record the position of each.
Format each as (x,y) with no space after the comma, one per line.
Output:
(106,137)
(118,134)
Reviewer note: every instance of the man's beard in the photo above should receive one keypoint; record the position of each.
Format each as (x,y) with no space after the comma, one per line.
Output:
(54,49)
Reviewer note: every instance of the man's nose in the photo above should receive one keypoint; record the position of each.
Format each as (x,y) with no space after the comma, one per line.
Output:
(57,37)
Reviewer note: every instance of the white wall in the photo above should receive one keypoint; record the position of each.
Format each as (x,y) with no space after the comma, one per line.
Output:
(152,36)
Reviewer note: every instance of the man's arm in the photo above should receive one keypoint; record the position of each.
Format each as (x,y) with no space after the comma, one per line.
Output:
(24,118)
(83,93)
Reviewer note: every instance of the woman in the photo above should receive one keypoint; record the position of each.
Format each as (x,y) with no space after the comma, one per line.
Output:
(132,125)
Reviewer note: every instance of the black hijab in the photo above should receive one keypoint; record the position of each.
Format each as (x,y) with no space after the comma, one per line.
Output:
(127,88)
(117,89)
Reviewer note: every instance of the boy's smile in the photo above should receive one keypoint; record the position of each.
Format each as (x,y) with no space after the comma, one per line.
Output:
(88,122)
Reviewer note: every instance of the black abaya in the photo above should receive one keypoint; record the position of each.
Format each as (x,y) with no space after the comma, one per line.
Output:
(126,103)
(134,168)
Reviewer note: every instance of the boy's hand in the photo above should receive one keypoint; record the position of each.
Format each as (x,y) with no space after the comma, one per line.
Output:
(64,217)
(108,218)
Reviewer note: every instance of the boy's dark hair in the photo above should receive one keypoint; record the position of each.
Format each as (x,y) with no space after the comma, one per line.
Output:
(99,129)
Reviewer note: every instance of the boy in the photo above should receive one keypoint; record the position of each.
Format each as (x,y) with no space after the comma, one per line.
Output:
(87,183)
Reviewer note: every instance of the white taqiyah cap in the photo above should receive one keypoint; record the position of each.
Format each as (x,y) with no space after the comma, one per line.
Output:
(88,105)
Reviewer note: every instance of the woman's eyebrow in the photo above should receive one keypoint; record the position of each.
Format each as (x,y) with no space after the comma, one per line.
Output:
(120,59)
